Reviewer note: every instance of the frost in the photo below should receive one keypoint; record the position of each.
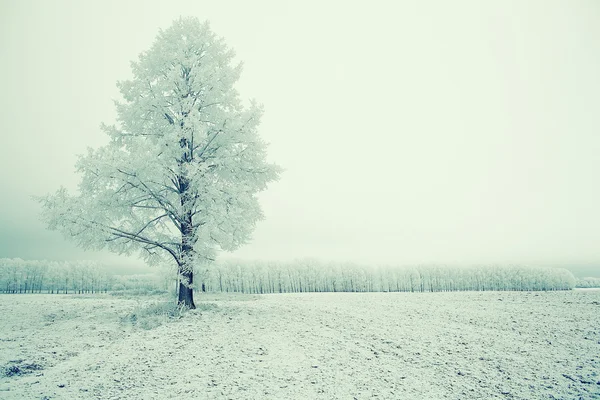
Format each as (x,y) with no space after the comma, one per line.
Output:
(464,345)
(179,176)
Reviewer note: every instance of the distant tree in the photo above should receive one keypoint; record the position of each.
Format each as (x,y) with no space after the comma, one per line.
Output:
(179,176)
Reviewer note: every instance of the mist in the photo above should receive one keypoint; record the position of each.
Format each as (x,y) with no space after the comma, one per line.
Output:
(431,132)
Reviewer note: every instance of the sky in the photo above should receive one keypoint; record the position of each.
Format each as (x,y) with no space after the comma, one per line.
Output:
(410,132)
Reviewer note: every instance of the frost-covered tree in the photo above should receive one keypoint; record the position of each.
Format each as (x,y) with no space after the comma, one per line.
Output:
(179,176)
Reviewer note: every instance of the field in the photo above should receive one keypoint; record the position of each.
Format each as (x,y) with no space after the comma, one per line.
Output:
(459,345)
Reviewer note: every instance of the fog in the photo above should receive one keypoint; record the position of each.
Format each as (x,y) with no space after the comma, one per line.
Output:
(410,132)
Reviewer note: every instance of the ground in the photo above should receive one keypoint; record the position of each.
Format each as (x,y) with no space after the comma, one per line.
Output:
(466,345)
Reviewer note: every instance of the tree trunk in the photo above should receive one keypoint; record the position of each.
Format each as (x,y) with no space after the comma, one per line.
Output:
(186,293)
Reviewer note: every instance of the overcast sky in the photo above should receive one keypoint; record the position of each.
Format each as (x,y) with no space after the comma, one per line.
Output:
(411,131)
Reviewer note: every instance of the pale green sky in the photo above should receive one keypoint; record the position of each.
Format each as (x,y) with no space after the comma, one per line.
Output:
(411,131)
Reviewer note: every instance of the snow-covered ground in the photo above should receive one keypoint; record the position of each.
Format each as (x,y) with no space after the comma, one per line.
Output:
(468,345)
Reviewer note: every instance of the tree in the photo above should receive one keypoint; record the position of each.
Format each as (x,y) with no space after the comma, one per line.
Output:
(179,176)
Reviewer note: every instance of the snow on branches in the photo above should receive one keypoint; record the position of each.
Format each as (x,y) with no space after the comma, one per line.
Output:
(180,174)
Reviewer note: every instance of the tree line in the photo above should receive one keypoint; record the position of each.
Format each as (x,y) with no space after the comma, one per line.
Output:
(314,276)
(40,276)
(76,277)
(588,282)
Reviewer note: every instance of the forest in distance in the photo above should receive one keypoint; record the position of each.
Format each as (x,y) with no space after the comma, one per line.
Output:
(40,276)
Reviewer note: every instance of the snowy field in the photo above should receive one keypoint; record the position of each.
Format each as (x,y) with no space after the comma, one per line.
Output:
(469,345)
